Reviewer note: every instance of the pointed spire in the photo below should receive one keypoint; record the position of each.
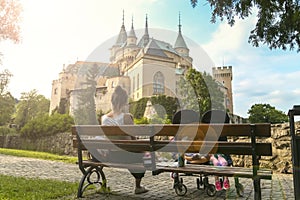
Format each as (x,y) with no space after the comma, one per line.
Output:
(122,37)
(146,26)
(132,32)
(179,24)
(145,39)
(180,43)
(123,18)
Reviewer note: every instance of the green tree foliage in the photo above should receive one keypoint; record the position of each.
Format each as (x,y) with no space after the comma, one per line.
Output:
(278,21)
(137,108)
(200,92)
(31,106)
(7,107)
(265,113)
(165,106)
(85,111)
(7,102)
(47,125)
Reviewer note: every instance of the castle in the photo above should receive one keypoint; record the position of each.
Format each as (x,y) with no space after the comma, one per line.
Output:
(144,67)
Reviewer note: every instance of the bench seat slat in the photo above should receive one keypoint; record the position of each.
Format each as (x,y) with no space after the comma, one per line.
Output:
(220,171)
(137,166)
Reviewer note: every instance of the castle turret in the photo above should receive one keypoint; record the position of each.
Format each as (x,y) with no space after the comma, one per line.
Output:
(145,39)
(180,45)
(121,40)
(131,38)
(122,37)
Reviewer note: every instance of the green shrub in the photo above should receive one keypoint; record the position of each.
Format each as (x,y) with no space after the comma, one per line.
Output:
(7,131)
(47,125)
(142,120)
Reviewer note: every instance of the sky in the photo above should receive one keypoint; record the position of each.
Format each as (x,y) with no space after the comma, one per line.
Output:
(60,32)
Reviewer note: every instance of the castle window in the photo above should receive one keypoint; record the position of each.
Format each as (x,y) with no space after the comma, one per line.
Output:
(158,83)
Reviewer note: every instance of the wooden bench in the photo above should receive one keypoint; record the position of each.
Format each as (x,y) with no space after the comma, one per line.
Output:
(188,138)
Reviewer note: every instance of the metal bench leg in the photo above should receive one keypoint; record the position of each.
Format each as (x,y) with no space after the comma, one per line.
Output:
(238,187)
(87,177)
(257,189)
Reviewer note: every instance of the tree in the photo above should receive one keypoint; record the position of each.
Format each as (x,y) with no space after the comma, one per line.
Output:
(7,102)
(85,111)
(265,113)
(7,105)
(278,21)
(31,106)
(200,92)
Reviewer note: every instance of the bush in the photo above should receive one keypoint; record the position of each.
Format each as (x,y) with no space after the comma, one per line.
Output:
(7,131)
(142,120)
(47,125)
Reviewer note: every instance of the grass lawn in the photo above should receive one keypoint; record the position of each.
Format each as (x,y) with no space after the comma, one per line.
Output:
(16,188)
(36,154)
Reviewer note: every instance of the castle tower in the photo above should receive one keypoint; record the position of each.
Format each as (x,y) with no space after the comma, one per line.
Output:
(224,76)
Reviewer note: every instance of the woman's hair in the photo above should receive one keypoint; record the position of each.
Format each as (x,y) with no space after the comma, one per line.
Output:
(119,98)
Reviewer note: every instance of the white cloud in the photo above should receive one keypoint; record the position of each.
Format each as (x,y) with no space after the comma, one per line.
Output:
(259,74)
(229,42)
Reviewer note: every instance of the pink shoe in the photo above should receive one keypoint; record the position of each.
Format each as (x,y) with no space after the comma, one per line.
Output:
(218,186)
(226,184)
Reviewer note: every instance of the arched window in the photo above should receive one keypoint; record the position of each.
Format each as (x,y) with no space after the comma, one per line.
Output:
(158,83)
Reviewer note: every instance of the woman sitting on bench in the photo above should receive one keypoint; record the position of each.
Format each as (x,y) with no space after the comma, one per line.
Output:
(118,117)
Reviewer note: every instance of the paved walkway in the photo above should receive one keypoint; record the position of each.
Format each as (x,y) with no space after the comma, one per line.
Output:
(121,181)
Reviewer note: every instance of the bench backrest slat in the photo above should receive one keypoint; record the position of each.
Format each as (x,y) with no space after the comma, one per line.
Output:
(262,130)
(87,135)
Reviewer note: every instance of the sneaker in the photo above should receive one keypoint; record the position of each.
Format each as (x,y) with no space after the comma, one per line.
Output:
(140,190)
(226,184)
(218,185)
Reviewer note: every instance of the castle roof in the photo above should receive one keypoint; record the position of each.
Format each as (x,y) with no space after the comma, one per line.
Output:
(157,48)
(82,67)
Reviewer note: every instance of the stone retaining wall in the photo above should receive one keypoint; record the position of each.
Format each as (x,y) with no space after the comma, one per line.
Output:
(59,144)
(281,147)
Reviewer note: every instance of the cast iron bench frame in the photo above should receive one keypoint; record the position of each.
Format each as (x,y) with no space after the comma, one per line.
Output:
(257,146)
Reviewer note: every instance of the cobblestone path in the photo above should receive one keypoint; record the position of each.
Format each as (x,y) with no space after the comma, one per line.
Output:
(121,182)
